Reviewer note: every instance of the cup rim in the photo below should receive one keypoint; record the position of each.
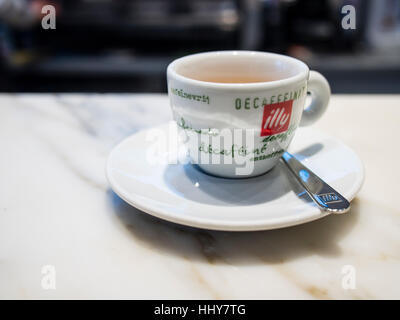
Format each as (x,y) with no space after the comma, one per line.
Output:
(302,75)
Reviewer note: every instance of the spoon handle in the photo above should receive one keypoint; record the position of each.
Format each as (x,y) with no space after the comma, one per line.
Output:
(326,198)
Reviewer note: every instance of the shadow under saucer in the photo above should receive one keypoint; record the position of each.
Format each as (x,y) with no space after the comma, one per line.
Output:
(320,237)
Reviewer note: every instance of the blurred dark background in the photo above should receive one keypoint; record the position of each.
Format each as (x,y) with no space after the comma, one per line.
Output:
(125,45)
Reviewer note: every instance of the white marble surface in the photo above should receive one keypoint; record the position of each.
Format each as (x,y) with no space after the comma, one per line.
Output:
(56,209)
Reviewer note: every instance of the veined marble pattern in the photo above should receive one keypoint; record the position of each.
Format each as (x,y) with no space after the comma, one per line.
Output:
(56,208)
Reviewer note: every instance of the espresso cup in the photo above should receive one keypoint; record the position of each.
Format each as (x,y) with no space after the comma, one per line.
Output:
(237,111)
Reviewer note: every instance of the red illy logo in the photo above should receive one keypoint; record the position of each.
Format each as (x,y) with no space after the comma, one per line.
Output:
(276,118)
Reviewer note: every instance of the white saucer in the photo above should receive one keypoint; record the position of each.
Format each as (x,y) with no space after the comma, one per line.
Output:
(183,194)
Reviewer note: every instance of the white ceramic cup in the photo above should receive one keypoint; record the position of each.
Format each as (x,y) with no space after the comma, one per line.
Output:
(240,130)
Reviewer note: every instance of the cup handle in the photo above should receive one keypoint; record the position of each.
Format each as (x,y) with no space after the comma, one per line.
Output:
(320,91)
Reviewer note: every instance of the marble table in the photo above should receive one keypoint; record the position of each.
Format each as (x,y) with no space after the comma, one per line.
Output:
(65,234)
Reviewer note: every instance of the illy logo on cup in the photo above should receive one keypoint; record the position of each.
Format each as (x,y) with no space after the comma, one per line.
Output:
(276,118)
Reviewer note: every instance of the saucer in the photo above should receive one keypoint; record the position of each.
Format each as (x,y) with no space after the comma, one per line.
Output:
(183,194)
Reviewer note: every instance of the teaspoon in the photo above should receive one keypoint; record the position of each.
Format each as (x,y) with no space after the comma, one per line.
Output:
(325,197)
